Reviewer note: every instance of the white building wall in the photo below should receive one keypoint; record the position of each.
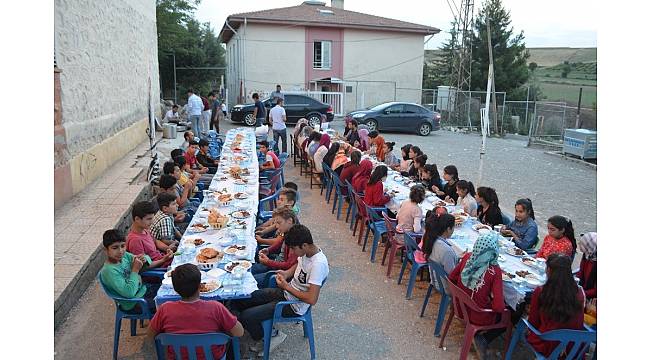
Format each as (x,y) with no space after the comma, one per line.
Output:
(264,56)
(363,62)
(107,50)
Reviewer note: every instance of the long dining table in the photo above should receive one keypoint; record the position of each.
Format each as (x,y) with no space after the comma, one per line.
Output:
(512,261)
(239,150)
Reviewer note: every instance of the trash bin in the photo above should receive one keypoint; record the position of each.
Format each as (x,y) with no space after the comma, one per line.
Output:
(169,131)
(580,142)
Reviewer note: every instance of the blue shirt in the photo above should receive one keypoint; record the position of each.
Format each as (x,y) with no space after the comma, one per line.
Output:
(526,231)
(261,110)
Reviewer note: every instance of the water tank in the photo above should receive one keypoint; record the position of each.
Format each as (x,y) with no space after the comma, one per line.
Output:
(445,98)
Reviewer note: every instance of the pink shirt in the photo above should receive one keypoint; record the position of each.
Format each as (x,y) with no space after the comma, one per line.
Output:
(144,243)
(409,217)
(197,317)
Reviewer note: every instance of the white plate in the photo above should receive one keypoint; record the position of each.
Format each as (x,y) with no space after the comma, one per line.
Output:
(216,273)
(502,258)
(241,196)
(239,215)
(511,251)
(243,263)
(195,229)
(167,280)
(218,283)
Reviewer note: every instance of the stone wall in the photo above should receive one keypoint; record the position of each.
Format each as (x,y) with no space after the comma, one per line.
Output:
(107,53)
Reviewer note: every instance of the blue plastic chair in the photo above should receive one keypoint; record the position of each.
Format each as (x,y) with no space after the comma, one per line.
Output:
(306,320)
(338,194)
(193,341)
(119,314)
(411,247)
(505,219)
(326,179)
(270,202)
(378,226)
(283,160)
(353,205)
(441,277)
(579,339)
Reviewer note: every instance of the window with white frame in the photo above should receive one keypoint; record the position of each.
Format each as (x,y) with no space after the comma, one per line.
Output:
(323,55)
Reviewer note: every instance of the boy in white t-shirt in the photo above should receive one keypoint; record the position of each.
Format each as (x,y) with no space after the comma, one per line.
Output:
(306,279)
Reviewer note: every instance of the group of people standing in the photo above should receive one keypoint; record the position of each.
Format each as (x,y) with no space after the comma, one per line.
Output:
(203,113)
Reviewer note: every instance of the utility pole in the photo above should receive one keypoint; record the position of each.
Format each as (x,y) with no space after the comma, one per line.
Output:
(462,72)
(491,71)
(578,124)
(175,96)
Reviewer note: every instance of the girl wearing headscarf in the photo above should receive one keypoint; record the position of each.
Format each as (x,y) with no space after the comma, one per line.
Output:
(587,272)
(303,137)
(478,274)
(364,142)
(360,179)
(320,153)
(299,126)
(340,159)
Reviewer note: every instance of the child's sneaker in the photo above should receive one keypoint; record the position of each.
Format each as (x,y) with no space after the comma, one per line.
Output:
(275,342)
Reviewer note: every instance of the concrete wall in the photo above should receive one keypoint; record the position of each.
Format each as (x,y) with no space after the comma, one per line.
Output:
(267,63)
(401,83)
(107,53)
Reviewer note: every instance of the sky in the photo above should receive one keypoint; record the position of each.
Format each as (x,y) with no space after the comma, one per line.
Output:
(548,23)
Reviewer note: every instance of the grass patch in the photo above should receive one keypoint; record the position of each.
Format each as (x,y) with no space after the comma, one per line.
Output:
(569,93)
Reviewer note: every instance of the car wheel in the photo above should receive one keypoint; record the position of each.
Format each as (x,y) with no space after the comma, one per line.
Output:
(425,129)
(372,124)
(249,119)
(313,120)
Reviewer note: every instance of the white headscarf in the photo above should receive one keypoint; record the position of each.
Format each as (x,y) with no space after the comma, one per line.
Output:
(587,245)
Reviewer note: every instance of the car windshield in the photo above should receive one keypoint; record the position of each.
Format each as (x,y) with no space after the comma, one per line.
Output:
(378,107)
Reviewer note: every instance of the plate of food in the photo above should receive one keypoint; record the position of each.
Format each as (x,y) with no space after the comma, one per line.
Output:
(232,249)
(198,228)
(233,264)
(515,251)
(209,286)
(241,196)
(501,258)
(167,278)
(237,224)
(241,181)
(241,214)
(209,255)
(506,276)
(225,199)
(195,241)
(529,261)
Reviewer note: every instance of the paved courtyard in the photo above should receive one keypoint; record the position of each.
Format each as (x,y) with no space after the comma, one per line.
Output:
(361,314)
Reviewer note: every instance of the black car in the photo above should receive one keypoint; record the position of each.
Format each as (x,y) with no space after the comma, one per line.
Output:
(398,116)
(296,106)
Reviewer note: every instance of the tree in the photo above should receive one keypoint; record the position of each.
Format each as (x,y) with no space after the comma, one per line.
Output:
(443,68)
(194,45)
(532,66)
(508,51)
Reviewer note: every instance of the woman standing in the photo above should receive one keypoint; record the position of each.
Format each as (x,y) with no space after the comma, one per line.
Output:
(488,211)
(523,228)
(558,304)
(560,238)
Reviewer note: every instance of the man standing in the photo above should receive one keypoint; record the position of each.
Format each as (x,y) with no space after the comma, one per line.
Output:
(259,113)
(216,115)
(205,114)
(194,110)
(278,119)
(277,94)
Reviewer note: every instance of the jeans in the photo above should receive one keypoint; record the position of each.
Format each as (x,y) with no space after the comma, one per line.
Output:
(280,134)
(205,120)
(152,290)
(196,124)
(260,307)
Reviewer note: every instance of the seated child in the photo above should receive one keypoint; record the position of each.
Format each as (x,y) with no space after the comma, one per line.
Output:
(267,259)
(120,273)
(191,315)
(162,226)
(306,278)
(139,239)
(286,198)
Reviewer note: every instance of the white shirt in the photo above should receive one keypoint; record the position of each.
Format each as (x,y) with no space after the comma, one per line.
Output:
(277,115)
(194,105)
(171,115)
(224,107)
(310,270)
(469,204)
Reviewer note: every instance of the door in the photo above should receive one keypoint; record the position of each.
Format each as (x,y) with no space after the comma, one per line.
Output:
(412,117)
(391,117)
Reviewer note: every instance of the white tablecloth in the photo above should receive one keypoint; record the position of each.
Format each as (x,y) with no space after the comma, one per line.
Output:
(464,237)
(233,233)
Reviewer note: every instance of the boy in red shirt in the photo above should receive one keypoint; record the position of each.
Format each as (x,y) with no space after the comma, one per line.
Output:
(192,315)
(139,240)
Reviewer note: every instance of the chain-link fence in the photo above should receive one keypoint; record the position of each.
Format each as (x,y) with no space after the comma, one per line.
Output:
(541,120)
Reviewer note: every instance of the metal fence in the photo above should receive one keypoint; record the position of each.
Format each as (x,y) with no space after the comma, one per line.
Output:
(541,120)
(334,99)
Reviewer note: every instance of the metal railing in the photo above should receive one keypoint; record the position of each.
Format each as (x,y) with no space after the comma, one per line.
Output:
(334,99)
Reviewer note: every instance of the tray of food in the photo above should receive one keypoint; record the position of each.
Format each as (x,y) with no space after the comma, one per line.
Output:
(245,264)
